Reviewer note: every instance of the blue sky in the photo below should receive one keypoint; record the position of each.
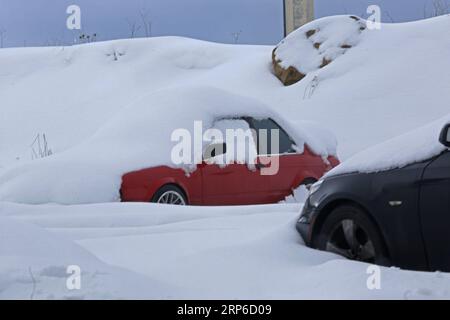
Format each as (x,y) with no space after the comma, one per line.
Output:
(43,22)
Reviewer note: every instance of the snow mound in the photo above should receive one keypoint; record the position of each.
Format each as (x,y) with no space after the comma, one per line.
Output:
(415,146)
(138,137)
(318,43)
(36,264)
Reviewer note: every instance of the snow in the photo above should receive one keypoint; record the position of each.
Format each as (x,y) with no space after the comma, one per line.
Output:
(157,251)
(299,195)
(332,33)
(137,137)
(412,147)
(243,151)
(99,106)
(376,82)
(34,265)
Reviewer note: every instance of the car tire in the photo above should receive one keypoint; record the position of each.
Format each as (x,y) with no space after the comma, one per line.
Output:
(349,232)
(170,194)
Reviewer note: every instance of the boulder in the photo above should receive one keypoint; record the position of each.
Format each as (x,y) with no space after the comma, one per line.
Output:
(287,76)
(315,46)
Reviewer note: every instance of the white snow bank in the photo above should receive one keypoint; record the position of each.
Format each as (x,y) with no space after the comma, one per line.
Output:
(335,35)
(36,264)
(138,137)
(190,253)
(415,146)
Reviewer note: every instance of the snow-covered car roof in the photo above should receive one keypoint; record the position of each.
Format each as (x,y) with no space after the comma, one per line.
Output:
(412,147)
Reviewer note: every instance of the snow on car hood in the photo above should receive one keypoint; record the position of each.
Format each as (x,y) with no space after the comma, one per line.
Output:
(415,146)
(138,137)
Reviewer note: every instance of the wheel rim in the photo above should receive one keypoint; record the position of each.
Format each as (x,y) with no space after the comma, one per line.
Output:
(350,240)
(172,197)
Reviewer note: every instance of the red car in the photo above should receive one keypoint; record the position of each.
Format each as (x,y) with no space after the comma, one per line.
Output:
(234,184)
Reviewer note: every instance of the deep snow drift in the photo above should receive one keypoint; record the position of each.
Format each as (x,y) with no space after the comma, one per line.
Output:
(391,81)
(137,137)
(183,252)
(35,264)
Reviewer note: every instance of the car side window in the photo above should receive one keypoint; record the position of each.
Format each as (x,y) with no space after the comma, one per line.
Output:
(239,141)
(263,131)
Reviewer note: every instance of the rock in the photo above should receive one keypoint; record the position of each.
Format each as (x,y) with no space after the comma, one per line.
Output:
(315,46)
(325,62)
(287,76)
(310,33)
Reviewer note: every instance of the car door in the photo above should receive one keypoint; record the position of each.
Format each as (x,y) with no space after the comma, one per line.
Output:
(435,212)
(235,183)
(284,158)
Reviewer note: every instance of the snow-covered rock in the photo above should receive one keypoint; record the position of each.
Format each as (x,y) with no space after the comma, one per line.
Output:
(314,46)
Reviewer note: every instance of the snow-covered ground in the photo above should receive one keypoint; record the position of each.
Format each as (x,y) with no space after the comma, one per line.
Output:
(157,251)
(391,81)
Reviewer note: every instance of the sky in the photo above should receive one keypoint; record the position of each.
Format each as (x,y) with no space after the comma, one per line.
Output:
(43,22)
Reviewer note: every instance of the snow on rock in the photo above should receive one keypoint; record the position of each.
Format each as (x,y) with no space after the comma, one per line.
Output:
(314,46)
(415,146)
(137,137)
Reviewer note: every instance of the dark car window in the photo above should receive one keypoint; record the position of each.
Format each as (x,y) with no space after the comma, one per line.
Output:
(285,142)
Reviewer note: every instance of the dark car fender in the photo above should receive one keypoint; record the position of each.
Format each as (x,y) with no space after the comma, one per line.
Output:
(377,194)
(337,194)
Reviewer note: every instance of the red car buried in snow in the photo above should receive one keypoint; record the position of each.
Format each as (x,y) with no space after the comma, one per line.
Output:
(233,184)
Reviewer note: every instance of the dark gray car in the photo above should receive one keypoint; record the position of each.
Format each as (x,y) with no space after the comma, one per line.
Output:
(399,217)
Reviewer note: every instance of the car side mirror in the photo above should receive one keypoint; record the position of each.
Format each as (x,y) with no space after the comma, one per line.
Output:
(444,138)
(214,150)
